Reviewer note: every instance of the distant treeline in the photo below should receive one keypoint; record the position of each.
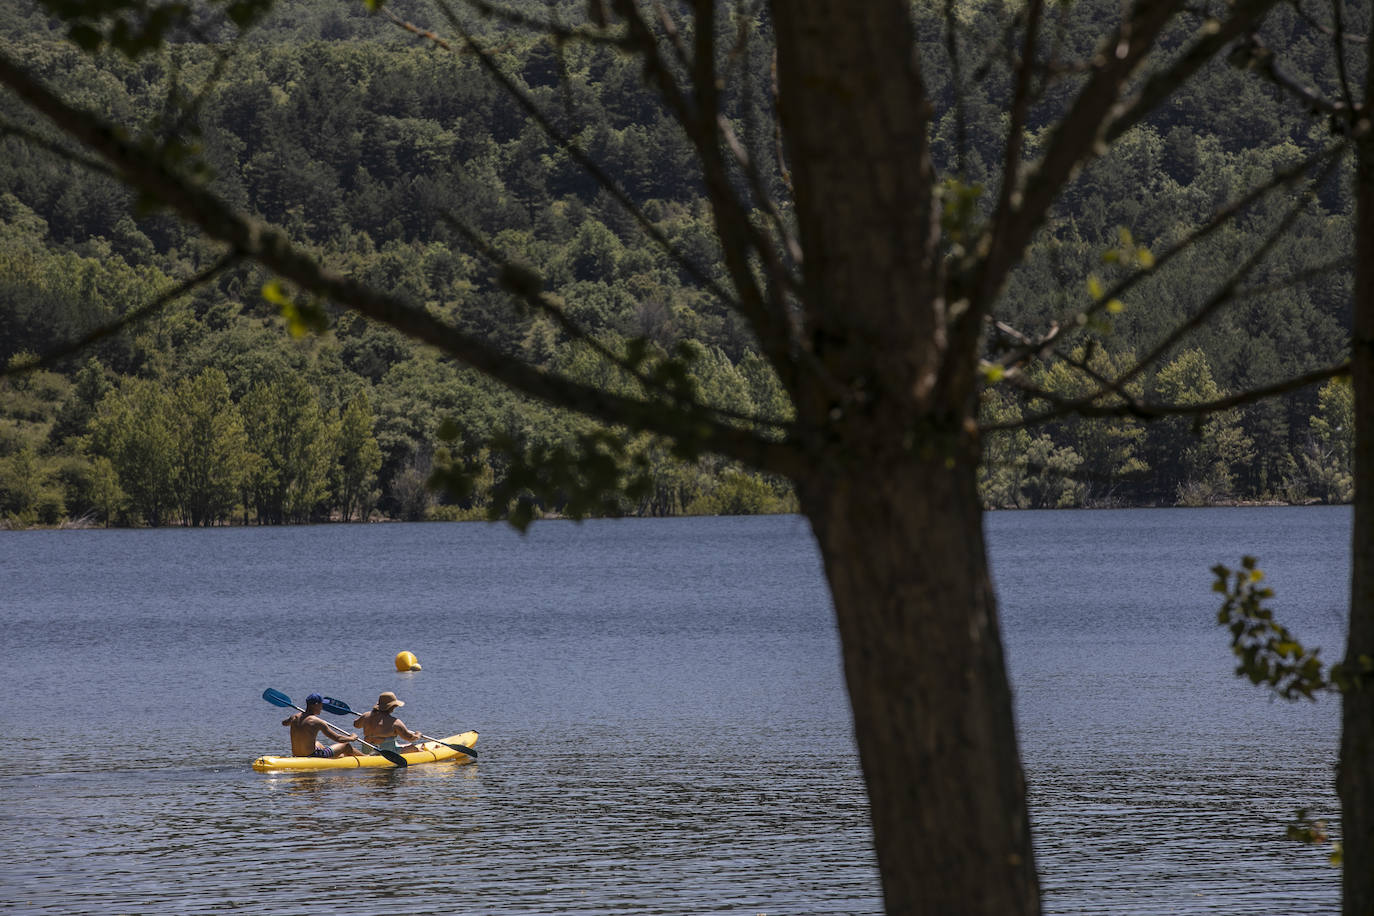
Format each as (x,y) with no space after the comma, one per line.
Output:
(371,148)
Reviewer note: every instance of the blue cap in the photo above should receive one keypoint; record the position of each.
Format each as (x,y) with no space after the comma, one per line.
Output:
(314,698)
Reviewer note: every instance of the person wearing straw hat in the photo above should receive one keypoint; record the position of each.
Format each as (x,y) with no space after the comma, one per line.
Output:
(382,728)
(306,727)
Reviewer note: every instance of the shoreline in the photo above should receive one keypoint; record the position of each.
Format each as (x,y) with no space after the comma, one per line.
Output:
(86,524)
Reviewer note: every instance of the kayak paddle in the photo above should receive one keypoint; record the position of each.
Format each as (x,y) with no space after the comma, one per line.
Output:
(340,708)
(277,698)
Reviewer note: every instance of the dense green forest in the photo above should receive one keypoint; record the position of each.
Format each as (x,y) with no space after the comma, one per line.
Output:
(235,402)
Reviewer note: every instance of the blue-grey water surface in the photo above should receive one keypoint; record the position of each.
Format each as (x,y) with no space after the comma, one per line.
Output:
(664,724)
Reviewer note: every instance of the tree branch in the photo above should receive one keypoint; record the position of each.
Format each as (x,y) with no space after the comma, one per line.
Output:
(1020,105)
(700,117)
(956,81)
(128,319)
(1324,159)
(33,138)
(1324,29)
(269,246)
(1213,37)
(528,288)
(1074,140)
(1257,56)
(564,143)
(1141,410)
(1097,117)
(600,34)
(1227,290)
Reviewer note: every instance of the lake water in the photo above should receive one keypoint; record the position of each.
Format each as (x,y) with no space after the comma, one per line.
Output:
(664,724)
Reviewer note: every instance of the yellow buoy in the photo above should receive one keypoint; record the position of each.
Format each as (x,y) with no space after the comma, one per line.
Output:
(406,661)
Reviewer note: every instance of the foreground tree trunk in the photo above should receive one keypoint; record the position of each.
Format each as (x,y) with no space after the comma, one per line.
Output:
(1356,774)
(904,554)
(891,496)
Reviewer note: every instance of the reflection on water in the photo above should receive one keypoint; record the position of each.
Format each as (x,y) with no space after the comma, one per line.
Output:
(586,835)
(377,780)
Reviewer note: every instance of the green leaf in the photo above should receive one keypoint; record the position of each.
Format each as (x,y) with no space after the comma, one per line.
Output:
(302,318)
(273,292)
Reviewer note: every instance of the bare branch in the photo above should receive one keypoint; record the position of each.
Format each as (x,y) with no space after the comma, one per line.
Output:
(1133,408)
(700,118)
(1339,42)
(1213,37)
(1074,140)
(789,245)
(188,112)
(1323,28)
(1020,105)
(563,142)
(1224,294)
(1099,116)
(673,33)
(1335,265)
(595,35)
(779,148)
(1323,160)
(1255,55)
(269,246)
(739,237)
(1052,66)
(130,318)
(957,82)
(47,144)
(521,283)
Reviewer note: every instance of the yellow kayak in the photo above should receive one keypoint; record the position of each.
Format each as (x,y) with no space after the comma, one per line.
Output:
(432,752)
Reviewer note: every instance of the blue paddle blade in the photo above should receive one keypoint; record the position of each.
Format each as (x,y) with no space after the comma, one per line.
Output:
(277,698)
(338,707)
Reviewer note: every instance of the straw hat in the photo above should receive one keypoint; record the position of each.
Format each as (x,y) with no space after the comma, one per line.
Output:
(387,702)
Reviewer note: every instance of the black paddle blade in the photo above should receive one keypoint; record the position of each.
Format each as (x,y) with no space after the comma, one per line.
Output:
(395,758)
(457,747)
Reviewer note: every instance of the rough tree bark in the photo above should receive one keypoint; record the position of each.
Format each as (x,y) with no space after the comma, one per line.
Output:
(1355,780)
(892,498)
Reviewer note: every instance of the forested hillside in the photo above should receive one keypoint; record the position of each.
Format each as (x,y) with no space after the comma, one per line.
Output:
(237,403)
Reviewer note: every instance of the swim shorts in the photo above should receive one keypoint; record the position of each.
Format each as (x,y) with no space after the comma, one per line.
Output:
(388,744)
(322,751)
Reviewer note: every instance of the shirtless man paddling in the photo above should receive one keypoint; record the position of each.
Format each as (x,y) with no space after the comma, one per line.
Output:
(305,726)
